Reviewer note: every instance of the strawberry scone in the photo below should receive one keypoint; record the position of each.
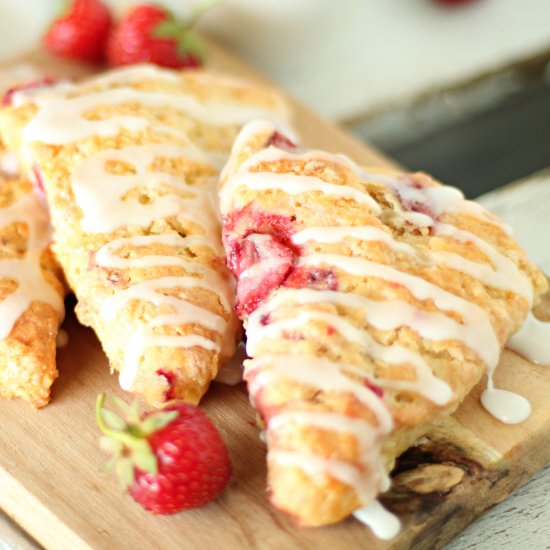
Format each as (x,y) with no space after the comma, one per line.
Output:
(31,291)
(373,302)
(129,161)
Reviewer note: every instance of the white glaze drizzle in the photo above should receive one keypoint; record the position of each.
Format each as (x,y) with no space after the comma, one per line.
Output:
(475,329)
(439,198)
(367,437)
(105,207)
(290,183)
(316,465)
(60,118)
(532,341)
(180,311)
(102,197)
(330,377)
(322,373)
(107,257)
(426,384)
(421,289)
(26,271)
(503,274)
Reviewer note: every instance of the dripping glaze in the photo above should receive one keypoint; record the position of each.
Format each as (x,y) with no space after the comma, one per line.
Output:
(31,284)
(60,119)
(474,331)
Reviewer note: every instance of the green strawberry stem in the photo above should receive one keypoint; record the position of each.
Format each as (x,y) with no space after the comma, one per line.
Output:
(126,438)
(188,42)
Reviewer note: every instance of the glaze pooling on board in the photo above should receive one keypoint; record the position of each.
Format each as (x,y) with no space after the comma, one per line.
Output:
(532,341)
(506,406)
(473,328)
(30,210)
(101,196)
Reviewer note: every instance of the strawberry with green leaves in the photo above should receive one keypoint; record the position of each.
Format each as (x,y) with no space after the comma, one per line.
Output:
(169,460)
(81,32)
(151,34)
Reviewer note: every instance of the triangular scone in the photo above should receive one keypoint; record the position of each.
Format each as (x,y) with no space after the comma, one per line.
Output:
(129,161)
(31,292)
(373,302)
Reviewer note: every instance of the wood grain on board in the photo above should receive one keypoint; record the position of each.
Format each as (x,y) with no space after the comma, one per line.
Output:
(51,484)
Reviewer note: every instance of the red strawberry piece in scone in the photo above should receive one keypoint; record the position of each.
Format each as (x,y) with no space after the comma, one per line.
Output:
(261,264)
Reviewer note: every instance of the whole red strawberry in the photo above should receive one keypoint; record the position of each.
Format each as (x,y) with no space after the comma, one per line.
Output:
(151,34)
(82,32)
(169,460)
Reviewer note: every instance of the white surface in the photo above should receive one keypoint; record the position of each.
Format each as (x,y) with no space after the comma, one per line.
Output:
(22,22)
(11,537)
(349,57)
(521,522)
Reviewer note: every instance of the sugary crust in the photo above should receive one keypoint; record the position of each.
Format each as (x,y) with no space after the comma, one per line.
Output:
(318,500)
(164,372)
(27,355)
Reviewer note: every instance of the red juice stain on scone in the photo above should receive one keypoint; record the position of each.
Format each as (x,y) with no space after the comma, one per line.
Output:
(7,100)
(37,178)
(170,378)
(312,277)
(242,222)
(279,140)
(374,388)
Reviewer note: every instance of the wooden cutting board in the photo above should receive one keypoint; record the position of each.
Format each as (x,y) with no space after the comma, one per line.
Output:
(50,480)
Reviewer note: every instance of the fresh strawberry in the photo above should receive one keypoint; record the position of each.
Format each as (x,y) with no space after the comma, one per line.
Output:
(261,263)
(82,32)
(169,460)
(152,34)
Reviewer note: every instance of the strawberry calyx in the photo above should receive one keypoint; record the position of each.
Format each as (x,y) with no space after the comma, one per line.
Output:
(125,437)
(188,43)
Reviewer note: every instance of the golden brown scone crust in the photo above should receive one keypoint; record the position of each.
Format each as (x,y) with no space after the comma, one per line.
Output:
(321,499)
(164,372)
(27,355)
